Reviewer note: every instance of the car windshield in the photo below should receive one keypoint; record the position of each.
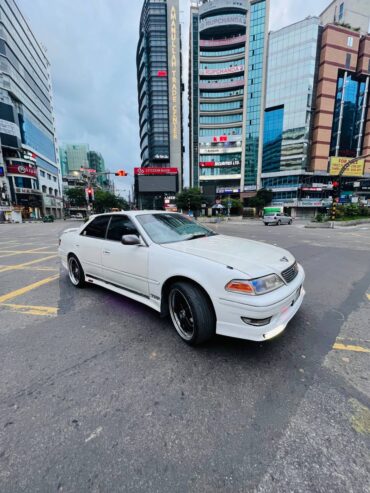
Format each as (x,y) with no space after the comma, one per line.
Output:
(170,228)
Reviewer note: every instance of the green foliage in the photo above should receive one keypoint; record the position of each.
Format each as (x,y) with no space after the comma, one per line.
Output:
(76,196)
(105,201)
(189,199)
(320,217)
(352,211)
(234,203)
(261,199)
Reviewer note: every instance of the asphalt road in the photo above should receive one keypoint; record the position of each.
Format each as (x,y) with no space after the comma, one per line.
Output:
(98,394)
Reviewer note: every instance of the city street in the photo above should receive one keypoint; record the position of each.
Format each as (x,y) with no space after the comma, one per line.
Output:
(98,394)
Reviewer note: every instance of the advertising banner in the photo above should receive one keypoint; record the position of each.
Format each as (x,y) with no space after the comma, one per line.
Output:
(354,169)
(20,168)
(155,171)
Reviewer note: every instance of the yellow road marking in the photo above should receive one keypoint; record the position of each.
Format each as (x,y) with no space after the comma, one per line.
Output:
(25,264)
(25,289)
(345,347)
(368,296)
(46,311)
(11,253)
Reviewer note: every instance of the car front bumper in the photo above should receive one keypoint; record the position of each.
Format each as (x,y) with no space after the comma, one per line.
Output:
(230,313)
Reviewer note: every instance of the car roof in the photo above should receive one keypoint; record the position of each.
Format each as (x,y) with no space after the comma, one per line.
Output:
(134,213)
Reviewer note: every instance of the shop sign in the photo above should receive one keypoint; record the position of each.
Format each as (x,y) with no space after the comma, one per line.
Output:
(6,208)
(23,169)
(2,171)
(222,71)
(25,190)
(312,189)
(354,169)
(221,138)
(213,164)
(155,171)
(250,188)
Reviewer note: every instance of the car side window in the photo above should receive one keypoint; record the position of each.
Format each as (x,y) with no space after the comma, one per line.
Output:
(119,226)
(97,228)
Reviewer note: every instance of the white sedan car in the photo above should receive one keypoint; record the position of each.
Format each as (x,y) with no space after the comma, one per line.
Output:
(208,283)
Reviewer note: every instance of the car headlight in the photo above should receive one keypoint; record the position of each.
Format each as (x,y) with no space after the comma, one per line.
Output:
(253,287)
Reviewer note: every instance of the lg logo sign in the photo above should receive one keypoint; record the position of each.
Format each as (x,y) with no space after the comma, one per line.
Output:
(22,169)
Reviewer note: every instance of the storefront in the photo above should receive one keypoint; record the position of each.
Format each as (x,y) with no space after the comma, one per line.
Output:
(23,187)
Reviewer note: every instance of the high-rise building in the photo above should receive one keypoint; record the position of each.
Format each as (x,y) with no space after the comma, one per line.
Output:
(27,130)
(354,14)
(228,49)
(290,101)
(74,157)
(96,162)
(342,116)
(160,102)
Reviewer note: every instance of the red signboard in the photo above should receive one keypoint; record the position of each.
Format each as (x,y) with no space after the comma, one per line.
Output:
(155,171)
(207,164)
(221,138)
(19,168)
(162,73)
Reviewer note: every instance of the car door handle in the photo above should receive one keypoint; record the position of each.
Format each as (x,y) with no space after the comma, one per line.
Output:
(107,252)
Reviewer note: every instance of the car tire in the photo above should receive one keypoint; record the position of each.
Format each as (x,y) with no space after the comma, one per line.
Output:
(191,313)
(75,272)
(290,222)
(266,224)
(278,223)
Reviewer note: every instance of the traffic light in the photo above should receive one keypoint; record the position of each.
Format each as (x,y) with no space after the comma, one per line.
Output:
(336,188)
(89,193)
(120,172)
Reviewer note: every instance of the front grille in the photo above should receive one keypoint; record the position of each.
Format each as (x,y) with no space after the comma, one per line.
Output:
(290,273)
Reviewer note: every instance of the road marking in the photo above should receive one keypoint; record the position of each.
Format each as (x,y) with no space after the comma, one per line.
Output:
(25,264)
(11,253)
(46,311)
(345,347)
(26,289)
(368,296)
(94,434)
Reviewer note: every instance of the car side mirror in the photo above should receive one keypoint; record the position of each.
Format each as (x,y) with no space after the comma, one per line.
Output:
(130,240)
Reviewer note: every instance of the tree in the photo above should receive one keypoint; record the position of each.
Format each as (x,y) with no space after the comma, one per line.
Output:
(261,199)
(105,201)
(76,196)
(189,199)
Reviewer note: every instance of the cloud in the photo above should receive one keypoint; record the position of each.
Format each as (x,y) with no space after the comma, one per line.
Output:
(92,49)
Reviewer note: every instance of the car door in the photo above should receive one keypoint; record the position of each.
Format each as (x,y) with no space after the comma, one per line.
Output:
(89,245)
(125,266)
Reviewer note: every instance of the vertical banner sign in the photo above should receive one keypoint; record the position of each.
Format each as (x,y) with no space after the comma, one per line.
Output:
(174,83)
(173,79)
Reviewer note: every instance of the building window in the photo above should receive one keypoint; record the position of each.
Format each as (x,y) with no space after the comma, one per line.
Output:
(54,178)
(42,173)
(50,191)
(348,60)
(49,176)
(44,189)
(341,11)
(350,41)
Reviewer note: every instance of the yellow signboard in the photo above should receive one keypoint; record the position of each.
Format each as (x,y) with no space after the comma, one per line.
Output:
(354,169)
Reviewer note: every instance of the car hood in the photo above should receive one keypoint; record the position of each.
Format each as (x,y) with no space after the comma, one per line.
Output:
(253,258)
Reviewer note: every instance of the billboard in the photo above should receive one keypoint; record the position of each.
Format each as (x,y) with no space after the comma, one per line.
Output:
(354,169)
(157,183)
(21,168)
(155,171)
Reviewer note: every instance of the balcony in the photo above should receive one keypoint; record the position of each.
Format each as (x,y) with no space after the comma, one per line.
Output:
(223,42)
(221,85)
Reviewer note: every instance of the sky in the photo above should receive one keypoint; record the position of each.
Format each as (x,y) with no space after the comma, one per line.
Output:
(91,45)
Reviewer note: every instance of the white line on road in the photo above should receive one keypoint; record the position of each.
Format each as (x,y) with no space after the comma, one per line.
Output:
(94,434)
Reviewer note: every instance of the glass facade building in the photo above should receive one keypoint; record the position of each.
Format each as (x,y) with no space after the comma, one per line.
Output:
(289,96)
(27,129)
(158,62)
(226,95)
